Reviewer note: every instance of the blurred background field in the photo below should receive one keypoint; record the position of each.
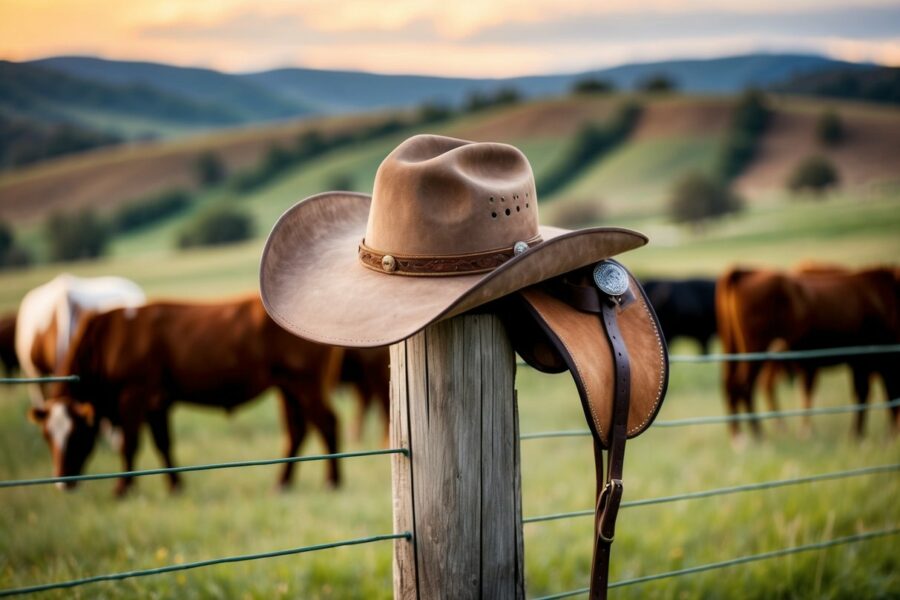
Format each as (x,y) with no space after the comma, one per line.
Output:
(172,177)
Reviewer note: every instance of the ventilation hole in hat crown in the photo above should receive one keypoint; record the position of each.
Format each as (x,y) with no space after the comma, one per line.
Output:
(507,212)
(502,199)
(491,198)
(526,205)
(517,209)
(493,215)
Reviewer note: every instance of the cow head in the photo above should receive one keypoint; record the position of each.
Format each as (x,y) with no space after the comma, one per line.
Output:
(70,429)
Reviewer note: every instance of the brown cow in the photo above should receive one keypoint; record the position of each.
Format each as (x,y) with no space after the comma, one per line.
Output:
(801,311)
(8,344)
(135,363)
(368,371)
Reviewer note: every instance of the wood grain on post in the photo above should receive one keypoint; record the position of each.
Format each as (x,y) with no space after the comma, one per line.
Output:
(453,405)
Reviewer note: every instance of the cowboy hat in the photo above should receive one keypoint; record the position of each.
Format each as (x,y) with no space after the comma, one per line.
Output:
(450,226)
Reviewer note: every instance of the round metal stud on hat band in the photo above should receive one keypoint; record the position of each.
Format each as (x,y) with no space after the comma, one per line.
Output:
(520,247)
(611,278)
(388,263)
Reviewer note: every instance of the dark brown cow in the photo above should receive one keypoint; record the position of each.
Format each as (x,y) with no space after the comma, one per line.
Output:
(761,309)
(368,371)
(135,363)
(8,344)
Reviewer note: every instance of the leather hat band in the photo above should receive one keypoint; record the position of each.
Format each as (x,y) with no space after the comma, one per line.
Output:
(448,264)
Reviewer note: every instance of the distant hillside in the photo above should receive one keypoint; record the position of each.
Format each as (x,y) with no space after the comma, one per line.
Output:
(348,90)
(675,134)
(46,93)
(245,101)
(880,84)
(293,92)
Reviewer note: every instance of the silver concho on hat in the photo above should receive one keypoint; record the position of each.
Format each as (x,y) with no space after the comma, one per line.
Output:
(611,278)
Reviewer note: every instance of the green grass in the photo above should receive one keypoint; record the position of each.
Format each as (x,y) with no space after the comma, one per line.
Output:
(634,179)
(51,536)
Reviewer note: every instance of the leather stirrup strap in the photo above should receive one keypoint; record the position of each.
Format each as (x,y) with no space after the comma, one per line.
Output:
(610,496)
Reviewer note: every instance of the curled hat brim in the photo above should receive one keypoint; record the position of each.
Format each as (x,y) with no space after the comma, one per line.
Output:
(313,285)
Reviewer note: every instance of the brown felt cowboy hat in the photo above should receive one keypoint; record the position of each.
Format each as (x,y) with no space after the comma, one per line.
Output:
(450,225)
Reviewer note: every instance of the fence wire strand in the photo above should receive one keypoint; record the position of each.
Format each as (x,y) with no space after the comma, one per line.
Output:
(206,467)
(825,410)
(735,561)
(15,380)
(202,563)
(747,487)
(787,354)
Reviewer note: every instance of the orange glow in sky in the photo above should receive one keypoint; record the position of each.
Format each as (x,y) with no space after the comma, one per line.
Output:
(460,38)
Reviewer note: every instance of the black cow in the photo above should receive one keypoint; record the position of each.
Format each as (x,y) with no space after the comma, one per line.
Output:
(685,307)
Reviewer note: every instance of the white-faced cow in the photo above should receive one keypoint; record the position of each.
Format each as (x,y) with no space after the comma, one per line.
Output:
(49,316)
(134,364)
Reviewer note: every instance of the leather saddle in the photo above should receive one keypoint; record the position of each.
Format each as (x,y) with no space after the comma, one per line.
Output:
(598,324)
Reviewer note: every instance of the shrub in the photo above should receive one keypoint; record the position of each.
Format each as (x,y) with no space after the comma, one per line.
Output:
(217,226)
(591,85)
(210,169)
(73,236)
(697,197)
(750,118)
(815,174)
(432,112)
(309,144)
(150,210)
(657,84)
(829,129)
(341,181)
(11,254)
(578,212)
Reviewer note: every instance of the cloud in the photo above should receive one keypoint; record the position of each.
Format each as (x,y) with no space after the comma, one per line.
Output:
(864,23)
(277,29)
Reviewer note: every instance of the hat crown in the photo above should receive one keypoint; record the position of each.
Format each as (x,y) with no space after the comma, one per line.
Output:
(440,196)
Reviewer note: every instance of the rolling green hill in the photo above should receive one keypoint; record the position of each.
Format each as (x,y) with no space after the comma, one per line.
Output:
(676,134)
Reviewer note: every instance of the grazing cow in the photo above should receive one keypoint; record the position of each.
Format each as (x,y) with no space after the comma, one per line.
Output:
(368,371)
(802,311)
(8,344)
(49,315)
(134,364)
(685,308)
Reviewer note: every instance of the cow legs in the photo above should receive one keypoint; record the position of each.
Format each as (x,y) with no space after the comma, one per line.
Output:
(159,427)
(808,374)
(768,380)
(861,390)
(295,423)
(318,408)
(131,429)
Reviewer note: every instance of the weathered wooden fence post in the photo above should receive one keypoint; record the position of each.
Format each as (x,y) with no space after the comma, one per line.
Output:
(453,405)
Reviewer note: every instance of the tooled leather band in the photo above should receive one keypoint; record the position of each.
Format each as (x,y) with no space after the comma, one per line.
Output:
(424,266)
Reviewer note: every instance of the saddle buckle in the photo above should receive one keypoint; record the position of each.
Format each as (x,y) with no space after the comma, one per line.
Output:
(608,506)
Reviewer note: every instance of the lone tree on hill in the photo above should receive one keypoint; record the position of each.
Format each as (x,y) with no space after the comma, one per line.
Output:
(697,197)
(11,254)
(659,83)
(591,85)
(216,226)
(814,174)
(830,129)
(210,168)
(76,236)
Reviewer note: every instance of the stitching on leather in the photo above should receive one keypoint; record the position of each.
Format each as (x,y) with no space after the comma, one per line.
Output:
(662,362)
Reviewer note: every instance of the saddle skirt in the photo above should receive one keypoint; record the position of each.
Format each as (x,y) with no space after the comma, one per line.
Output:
(611,343)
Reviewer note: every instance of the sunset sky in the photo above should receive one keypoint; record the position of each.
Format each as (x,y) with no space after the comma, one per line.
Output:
(458,37)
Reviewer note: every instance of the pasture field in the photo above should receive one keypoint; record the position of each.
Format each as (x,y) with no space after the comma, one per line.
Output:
(52,536)
(48,536)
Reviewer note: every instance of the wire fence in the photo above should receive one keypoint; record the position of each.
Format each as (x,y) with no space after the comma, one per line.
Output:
(695,421)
